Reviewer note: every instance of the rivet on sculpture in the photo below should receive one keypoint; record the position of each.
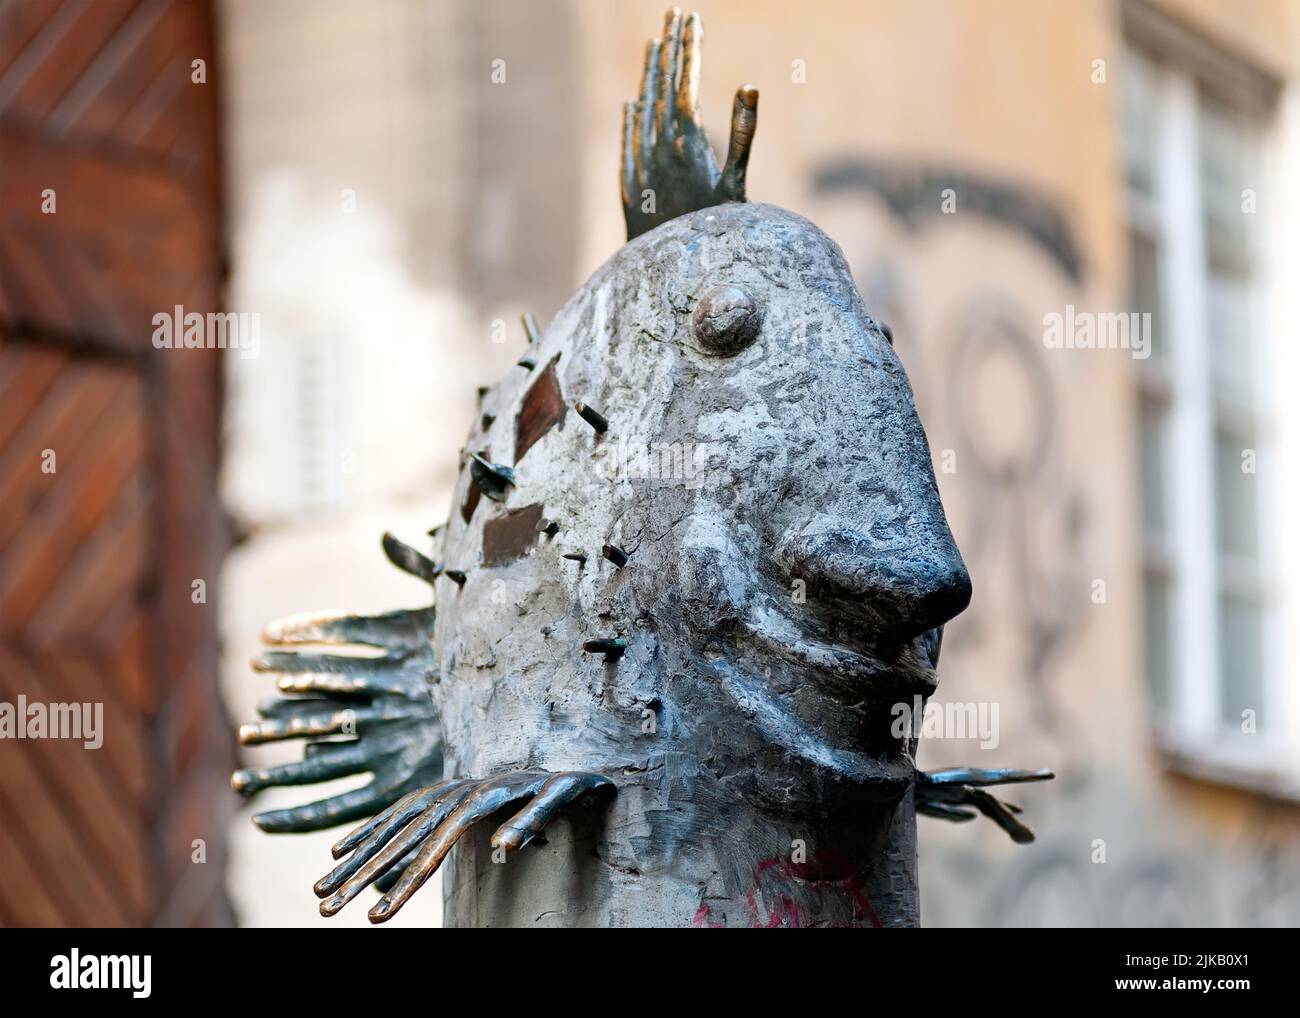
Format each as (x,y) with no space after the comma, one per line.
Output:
(657,696)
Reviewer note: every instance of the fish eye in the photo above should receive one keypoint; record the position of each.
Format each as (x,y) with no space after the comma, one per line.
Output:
(889,333)
(726,320)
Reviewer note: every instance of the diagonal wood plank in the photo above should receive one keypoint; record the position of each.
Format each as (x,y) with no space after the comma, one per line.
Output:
(103,811)
(30,803)
(26,374)
(96,103)
(106,571)
(90,474)
(25,894)
(19,24)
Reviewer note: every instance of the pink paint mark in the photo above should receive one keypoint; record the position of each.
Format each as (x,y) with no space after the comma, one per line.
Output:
(789,895)
(788,883)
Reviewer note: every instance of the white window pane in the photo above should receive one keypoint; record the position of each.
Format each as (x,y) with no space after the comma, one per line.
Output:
(1144,284)
(1153,463)
(1228,317)
(1241,680)
(1224,141)
(1141,109)
(1236,496)
(1157,619)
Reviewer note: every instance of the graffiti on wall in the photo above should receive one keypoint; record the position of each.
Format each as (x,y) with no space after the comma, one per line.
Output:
(1027,513)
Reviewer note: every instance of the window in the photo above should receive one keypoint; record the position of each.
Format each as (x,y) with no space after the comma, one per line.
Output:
(1192,161)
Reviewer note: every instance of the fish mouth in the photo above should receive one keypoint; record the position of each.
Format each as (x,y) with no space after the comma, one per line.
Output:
(831,703)
(875,769)
(850,670)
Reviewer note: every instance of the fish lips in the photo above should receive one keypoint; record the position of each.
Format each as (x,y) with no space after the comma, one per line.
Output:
(852,673)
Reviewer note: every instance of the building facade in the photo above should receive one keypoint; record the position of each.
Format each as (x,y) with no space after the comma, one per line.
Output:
(1073,216)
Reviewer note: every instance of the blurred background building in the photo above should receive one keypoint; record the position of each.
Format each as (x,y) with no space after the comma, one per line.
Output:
(401,179)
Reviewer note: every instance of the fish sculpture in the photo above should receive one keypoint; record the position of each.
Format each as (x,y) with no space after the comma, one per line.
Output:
(696,556)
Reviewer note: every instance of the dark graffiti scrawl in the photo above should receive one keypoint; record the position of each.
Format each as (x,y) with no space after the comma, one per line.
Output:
(911,191)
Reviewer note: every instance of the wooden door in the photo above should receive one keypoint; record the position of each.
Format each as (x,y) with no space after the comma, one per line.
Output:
(109,214)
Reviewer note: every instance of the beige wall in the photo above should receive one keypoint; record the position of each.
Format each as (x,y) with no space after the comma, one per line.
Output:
(391,212)
(1003,91)
(480,201)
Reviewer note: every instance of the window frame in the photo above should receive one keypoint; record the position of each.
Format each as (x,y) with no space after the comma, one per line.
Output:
(1190,732)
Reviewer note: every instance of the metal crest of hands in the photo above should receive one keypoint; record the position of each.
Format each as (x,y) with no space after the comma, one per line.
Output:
(668,165)
(648,702)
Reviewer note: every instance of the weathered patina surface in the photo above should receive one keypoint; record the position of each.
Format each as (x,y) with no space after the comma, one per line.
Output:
(696,556)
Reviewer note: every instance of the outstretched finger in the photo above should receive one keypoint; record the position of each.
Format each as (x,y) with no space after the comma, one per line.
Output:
(401,630)
(411,836)
(982,776)
(317,816)
(669,55)
(333,683)
(373,679)
(1000,815)
(283,708)
(558,792)
(944,810)
(346,721)
(285,719)
(359,834)
(408,809)
(326,747)
(353,759)
(643,130)
(688,94)
(417,662)
(385,883)
(744,121)
(627,162)
(483,801)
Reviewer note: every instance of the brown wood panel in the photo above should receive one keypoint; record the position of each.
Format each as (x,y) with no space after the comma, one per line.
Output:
(105,462)
(97,559)
(19,23)
(78,272)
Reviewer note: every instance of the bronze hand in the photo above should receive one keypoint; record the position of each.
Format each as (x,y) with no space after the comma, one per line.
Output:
(668,165)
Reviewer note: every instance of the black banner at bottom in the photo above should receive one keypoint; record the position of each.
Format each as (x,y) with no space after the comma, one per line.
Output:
(305,968)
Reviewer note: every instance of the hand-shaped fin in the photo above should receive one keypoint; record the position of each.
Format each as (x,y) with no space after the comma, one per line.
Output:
(415,834)
(955,794)
(360,712)
(668,165)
